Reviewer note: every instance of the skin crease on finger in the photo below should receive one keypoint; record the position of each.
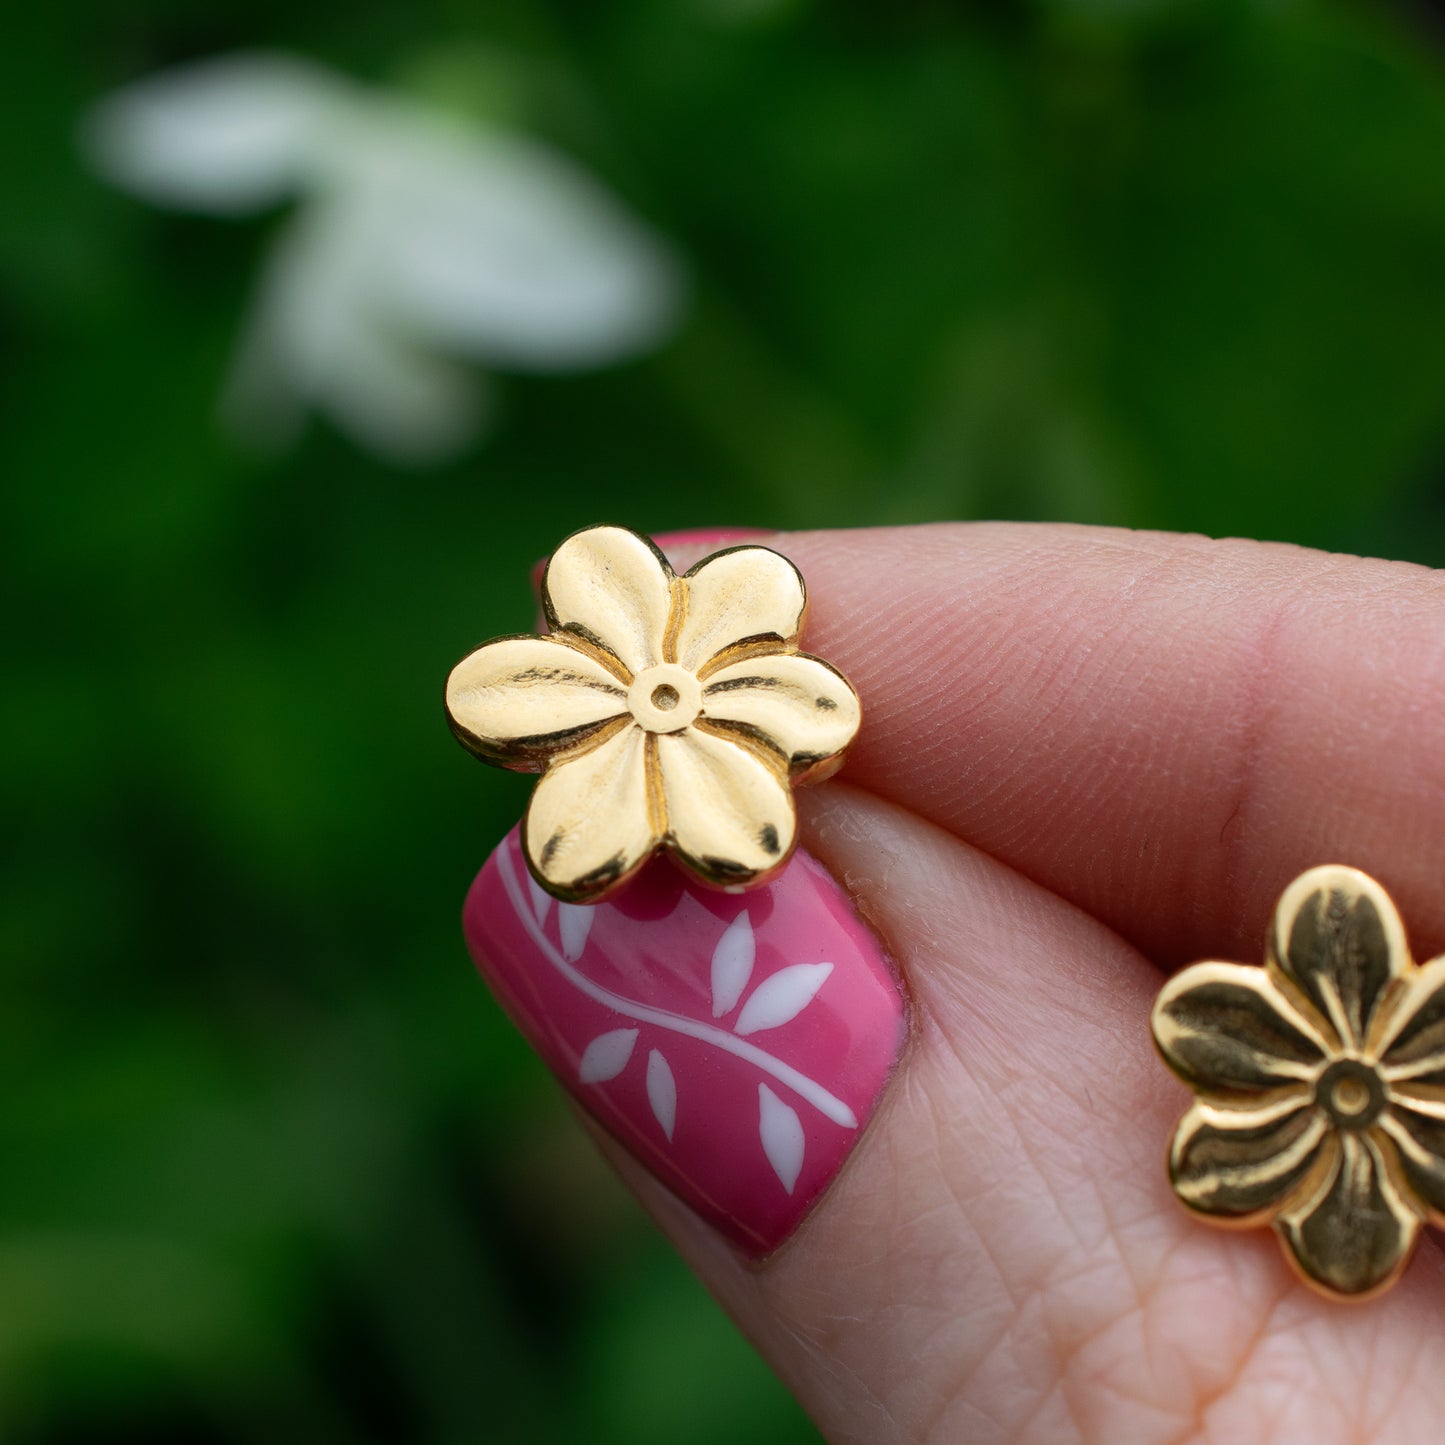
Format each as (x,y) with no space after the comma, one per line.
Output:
(1002,1259)
(1162,729)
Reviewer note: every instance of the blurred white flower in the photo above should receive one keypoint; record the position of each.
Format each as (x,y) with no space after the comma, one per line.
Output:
(421,242)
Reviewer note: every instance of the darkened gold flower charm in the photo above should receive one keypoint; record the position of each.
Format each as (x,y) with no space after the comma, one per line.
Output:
(662,711)
(1321,1085)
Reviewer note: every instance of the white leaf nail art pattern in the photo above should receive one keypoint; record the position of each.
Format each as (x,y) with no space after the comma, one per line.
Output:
(732,964)
(541,899)
(783,996)
(606,1056)
(777,1000)
(781,1131)
(662,1092)
(575,923)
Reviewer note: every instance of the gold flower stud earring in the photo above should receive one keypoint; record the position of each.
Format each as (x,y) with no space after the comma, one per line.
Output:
(1320,1084)
(662,712)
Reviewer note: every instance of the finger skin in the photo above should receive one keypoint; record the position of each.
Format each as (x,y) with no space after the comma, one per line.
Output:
(1163,730)
(1001,1259)
(1160,731)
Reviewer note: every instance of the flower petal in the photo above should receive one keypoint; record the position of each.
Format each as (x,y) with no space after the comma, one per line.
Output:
(613,588)
(1225,1026)
(740,596)
(313,338)
(589,822)
(225,136)
(1416,1134)
(1241,1164)
(1412,1041)
(1338,940)
(518,700)
(792,702)
(730,812)
(502,249)
(1352,1235)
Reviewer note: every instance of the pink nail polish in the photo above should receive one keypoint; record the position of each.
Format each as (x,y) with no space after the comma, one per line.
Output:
(737,1044)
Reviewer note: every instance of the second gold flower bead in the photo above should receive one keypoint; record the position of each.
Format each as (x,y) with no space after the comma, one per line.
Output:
(1320,1085)
(663,712)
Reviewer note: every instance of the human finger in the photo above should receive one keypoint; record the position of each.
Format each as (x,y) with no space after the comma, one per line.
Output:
(1161,729)
(1001,1258)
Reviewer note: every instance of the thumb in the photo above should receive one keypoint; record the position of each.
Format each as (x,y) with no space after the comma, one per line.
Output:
(993,1254)
(967,1259)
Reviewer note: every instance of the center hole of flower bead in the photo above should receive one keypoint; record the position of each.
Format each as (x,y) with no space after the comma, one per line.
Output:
(1350,1097)
(1351,1092)
(664,698)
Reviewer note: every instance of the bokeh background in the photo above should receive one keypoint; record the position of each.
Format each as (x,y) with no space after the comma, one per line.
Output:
(274,1166)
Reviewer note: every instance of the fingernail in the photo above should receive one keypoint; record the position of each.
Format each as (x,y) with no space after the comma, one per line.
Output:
(737,1044)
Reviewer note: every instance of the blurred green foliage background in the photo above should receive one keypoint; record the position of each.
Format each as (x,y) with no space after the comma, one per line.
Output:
(275,1168)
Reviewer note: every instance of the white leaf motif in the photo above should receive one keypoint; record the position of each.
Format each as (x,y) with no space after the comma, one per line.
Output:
(781,1131)
(723,1040)
(732,964)
(541,899)
(575,923)
(662,1092)
(783,996)
(606,1056)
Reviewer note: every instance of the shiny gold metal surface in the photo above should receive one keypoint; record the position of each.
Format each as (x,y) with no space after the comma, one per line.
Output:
(662,711)
(1319,1083)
